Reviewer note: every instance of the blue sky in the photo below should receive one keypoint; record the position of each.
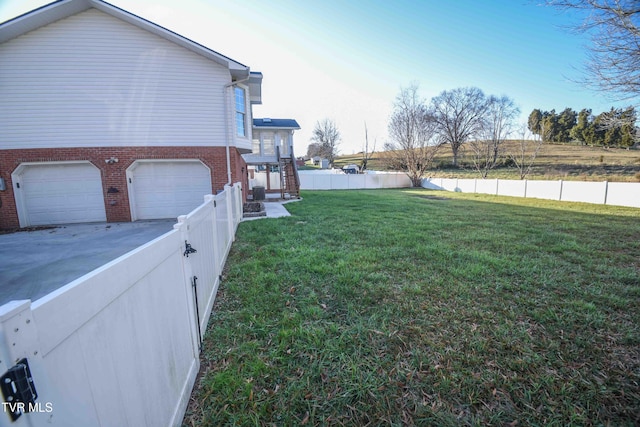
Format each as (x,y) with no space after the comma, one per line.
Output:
(347,60)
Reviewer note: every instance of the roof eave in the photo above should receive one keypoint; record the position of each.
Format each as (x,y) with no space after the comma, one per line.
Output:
(40,17)
(270,123)
(276,127)
(255,87)
(64,8)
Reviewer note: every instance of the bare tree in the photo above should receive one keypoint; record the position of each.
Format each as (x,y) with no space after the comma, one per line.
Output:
(481,153)
(458,115)
(314,150)
(327,135)
(366,154)
(613,65)
(412,130)
(621,124)
(614,54)
(497,124)
(524,152)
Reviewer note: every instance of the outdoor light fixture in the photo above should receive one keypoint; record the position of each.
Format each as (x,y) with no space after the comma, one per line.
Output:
(111,161)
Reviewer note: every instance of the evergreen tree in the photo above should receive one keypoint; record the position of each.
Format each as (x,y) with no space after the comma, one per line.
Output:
(613,128)
(535,120)
(577,133)
(549,126)
(595,132)
(628,131)
(566,122)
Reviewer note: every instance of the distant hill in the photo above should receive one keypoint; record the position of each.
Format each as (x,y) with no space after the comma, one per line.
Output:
(554,161)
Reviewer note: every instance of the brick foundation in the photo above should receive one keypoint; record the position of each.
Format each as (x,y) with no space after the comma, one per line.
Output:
(114,175)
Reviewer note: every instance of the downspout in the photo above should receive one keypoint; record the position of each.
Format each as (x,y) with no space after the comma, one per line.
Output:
(227,126)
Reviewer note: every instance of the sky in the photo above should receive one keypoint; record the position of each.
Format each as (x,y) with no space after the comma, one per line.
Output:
(347,60)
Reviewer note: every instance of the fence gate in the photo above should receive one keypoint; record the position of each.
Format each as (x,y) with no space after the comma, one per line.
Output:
(120,345)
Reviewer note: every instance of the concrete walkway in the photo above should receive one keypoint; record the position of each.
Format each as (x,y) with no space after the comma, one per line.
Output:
(274,209)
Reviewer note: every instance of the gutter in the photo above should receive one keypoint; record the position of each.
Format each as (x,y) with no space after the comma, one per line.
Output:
(226,119)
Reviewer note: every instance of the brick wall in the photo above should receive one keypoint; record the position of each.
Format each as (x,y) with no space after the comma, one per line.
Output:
(114,175)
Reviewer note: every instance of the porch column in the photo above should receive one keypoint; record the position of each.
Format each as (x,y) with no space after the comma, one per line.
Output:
(268,171)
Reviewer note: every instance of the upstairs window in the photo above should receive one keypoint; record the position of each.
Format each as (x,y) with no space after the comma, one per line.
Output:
(268,146)
(241,111)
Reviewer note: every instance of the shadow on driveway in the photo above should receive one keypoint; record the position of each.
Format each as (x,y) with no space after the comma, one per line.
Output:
(34,263)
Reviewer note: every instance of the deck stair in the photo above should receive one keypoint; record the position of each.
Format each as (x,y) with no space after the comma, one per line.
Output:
(289,178)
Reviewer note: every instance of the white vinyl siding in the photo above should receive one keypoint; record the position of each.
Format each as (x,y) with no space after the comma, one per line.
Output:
(93,80)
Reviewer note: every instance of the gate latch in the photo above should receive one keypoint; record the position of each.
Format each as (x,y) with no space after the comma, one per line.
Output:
(188,249)
(18,390)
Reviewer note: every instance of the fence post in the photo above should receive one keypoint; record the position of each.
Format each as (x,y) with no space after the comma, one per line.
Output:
(19,340)
(211,199)
(606,192)
(18,333)
(239,205)
(525,188)
(560,195)
(183,227)
(227,191)
(219,244)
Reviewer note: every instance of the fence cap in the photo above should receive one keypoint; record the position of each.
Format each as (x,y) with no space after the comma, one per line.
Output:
(12,308)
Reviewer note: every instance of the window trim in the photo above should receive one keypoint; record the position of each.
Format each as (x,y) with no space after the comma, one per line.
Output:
(240,113)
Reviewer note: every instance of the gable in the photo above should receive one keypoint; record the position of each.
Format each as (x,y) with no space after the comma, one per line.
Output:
(94,80)
(61,9)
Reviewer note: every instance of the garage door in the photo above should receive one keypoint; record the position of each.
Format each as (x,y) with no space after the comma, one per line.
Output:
(167,189)
(59,193)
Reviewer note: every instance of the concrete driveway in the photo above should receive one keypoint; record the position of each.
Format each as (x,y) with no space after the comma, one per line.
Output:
(34,263)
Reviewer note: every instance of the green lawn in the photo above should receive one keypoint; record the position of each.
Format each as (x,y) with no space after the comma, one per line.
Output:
(415,307)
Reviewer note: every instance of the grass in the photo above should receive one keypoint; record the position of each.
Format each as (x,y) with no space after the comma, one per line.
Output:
(555,161)
(414,307)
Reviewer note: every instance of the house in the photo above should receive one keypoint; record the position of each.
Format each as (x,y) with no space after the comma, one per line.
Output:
(272,163)
(320,161)
(106,116)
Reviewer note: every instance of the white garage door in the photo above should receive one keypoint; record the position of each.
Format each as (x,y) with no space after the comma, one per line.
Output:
(167,189)
(59,193)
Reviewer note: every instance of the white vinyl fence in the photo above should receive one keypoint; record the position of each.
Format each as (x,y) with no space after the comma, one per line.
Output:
(317,180)
(120,345)
(608,193)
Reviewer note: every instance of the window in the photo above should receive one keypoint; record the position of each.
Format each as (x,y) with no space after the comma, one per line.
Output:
(267,144)
(281,141)
(241,111)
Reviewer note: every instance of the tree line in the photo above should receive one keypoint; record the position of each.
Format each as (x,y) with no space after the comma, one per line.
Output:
(465,115)
(613,128)
(462,118)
